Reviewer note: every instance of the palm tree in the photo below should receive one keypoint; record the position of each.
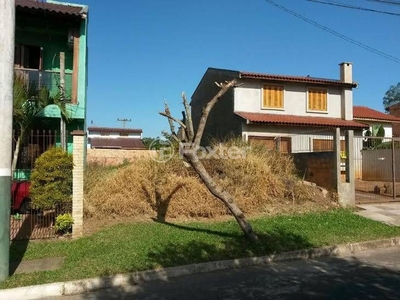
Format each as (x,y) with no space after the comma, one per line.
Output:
(29,101)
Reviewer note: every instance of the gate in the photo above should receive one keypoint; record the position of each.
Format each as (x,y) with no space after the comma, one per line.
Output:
(376,166)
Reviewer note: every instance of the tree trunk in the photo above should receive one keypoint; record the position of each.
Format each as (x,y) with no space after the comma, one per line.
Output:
(16,155)
(223,196)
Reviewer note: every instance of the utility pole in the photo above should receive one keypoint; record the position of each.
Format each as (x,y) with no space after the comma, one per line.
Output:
(124,121)
(7,33)
(63,128)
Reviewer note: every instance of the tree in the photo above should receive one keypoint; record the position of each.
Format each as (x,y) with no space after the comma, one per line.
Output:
(392,96)
(26,106)
(373,138)
(191,142)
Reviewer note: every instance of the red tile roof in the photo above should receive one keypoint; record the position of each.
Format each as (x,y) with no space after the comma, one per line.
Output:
(303,79)
(50,7)
(299,120)
(366,113)
(117,143)
(113,129)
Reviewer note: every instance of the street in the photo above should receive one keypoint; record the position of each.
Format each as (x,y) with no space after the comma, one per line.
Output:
(368,275)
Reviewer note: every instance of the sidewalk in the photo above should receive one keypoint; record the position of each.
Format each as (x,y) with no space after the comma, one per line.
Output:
(388,213)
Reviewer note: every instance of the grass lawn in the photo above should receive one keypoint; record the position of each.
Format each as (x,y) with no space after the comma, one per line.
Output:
(141,246)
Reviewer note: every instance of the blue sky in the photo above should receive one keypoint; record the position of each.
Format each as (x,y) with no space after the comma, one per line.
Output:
(144,51)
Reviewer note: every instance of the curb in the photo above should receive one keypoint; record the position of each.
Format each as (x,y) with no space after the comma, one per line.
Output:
(93,284)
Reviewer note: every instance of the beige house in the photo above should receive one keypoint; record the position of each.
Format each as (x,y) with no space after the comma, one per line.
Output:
(295,113)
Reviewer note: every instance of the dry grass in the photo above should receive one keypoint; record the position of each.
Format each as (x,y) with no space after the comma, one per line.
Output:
(262,182)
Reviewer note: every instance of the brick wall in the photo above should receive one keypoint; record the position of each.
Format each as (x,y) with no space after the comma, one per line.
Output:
(317,167)
(116,156)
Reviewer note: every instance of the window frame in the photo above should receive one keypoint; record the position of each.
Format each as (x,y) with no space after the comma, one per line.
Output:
(308,100)
(263,87)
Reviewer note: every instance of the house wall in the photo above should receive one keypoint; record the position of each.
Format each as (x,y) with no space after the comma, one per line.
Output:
(221,122)
(248,98)
(51,34)
(394,110)
(387,126)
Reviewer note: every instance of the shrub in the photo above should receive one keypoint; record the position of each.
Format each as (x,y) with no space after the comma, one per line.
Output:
(51,179)
(260,182)
(64,223)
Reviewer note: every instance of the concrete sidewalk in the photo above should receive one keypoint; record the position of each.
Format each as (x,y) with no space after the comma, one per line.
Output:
(36,265)
(388,213)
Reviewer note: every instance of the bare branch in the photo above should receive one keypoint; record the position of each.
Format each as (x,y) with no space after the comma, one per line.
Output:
(206,111)
(168,113)
(189,121)
(172,119)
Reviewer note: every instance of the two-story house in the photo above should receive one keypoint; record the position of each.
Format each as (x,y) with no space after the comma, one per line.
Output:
(43,31)
(115,138)
(277,109)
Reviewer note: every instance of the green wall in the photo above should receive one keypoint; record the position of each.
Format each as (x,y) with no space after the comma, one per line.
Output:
(51,33)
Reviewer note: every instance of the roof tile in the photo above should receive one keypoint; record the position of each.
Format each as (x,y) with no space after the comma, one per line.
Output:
(117,143)
(299,120)
(366,113)
(303,79)
(51,7)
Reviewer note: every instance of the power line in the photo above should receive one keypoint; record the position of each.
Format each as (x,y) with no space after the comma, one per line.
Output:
(389,2)
(331,31)
(333,3)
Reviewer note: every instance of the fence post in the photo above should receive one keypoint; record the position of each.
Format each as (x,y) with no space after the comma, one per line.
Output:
(345,190)
(336,151)
(77,185)
(393,169)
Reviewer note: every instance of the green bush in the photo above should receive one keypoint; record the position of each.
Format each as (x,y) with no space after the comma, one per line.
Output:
(64,223)
(51,179)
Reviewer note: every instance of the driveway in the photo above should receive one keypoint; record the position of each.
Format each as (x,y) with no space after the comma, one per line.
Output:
(388,213)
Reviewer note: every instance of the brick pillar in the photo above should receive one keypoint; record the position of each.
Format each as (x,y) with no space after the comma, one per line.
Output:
(77,185)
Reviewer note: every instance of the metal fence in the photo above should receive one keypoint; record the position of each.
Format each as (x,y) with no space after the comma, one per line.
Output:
(32,223)
(32,146)
(377,165)
(37,223)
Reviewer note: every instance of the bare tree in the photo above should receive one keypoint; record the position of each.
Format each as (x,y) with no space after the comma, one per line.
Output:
(191,142)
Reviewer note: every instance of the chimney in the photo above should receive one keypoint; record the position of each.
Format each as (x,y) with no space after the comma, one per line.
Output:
(346,72)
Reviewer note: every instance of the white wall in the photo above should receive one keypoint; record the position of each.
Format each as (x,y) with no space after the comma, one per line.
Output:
(248,98)
(113,135)
(386,126)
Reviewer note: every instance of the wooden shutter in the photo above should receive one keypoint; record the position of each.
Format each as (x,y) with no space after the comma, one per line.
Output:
(273,96)
(317,100)
(326,145)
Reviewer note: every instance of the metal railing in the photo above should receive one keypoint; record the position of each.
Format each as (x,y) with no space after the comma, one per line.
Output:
(46,79)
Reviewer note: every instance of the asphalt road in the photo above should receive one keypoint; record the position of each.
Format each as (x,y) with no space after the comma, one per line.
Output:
(368,275)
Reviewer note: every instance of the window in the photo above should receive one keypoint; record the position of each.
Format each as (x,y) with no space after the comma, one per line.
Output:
(273,97)
(317,100)
(282,144)
(320,145)
(28,57)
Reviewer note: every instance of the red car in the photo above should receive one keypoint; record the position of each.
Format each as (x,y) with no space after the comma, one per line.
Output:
(20,200)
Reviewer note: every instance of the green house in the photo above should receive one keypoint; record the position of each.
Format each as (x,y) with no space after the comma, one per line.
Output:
(44,32)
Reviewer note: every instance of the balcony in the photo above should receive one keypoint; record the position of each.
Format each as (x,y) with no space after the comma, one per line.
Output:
(47,79)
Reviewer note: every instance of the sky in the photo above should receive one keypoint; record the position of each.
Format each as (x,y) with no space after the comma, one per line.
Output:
(142,52)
